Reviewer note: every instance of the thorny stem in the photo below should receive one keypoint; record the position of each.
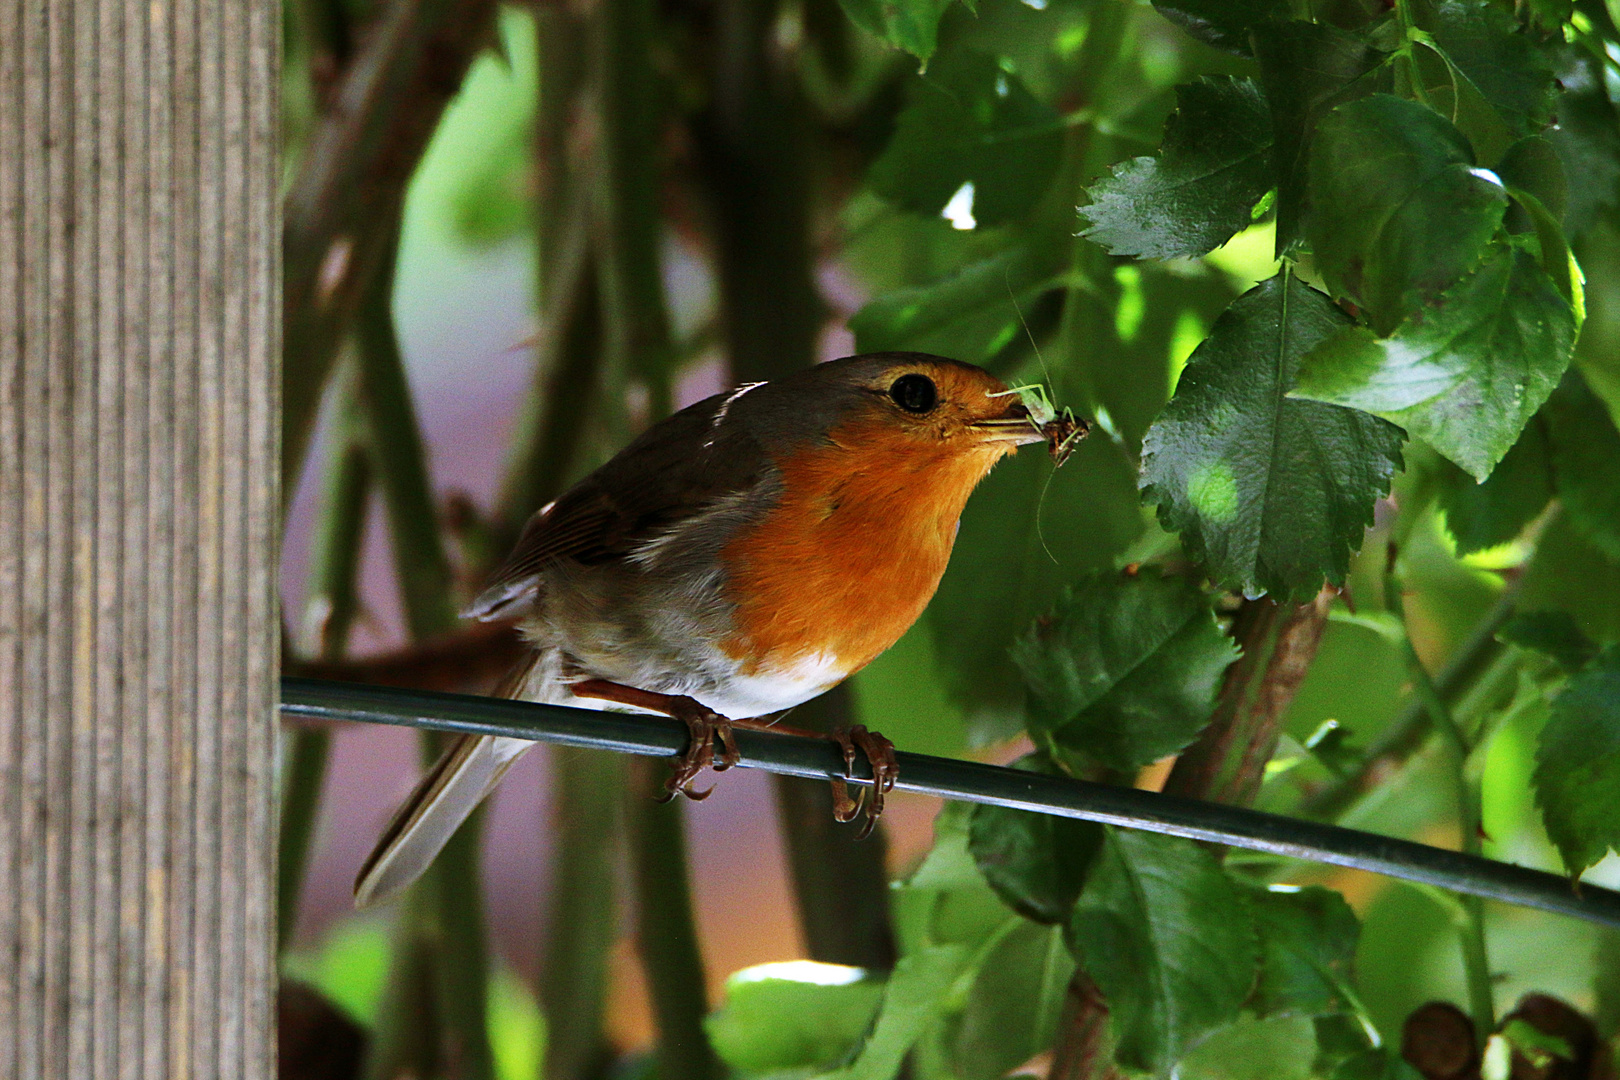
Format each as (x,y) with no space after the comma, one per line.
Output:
(344,206)
(1476,960)
(581,920)
(452,916)
(332,604)
(665,934)
(1228,762)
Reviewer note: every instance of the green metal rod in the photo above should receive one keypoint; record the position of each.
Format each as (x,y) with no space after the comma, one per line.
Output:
(969,781)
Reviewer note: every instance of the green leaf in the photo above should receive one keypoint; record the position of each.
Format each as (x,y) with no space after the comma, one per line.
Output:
(1587,139)
(1273,493)
(1278,1048)
(1554,633)
(1489,49)
(1214,165)
(794,1016)
(1398,210)
(1483,515)
(1307,69)
(1125,671)
(1036,863)
(1577,773)
(1171,942)
(968,121)
(1569,574)
(916,995)
(911,25)
(1224,24)
(971,315)
(1012,1012)
(1307,950)
(1380,1064)
(1532,165)
(1465,376)
(1586,461)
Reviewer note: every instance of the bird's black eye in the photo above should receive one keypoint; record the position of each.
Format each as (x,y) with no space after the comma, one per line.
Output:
(914,393)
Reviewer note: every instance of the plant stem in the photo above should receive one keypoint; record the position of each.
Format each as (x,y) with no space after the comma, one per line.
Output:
(344,206)
(451,918)
(581,920)
(840,885)
(334,559)
(1476,961)
(751,143)
(1410,728)
(1228,762)
(665,934)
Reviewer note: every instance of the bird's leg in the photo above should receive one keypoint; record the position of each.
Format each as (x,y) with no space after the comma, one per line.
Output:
(703,724)
(879,752)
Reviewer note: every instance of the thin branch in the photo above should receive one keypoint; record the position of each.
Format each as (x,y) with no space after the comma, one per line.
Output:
(972,782)
(1471,931)
(345,204)
(1409,730)
(476,655)
(332,606)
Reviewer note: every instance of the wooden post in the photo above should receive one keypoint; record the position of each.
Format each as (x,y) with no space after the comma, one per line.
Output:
(139,262)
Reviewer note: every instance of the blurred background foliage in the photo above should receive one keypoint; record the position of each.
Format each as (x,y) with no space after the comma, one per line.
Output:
(517,234)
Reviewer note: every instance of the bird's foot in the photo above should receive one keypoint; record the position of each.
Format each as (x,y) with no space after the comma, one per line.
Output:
(879,753)
(705,729)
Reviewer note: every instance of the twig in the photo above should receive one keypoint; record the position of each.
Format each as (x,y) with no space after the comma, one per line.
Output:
(1471,932)
(333,604)
(1410,728)
(344,206)
(971,782)
(475,656)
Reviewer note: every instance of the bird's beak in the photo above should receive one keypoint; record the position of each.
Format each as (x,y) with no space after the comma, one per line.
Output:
(1015,427)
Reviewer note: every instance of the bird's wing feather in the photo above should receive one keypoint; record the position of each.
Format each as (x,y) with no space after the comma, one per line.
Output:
(675,470)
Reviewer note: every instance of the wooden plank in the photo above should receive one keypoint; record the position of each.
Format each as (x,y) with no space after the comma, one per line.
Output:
(139,420)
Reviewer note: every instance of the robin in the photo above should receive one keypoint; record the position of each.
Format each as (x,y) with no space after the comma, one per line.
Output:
(739,558)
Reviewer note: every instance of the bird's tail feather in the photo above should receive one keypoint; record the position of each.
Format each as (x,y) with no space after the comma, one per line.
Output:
(465,773)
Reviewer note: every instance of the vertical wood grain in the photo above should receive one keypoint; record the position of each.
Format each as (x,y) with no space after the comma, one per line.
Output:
(139,417)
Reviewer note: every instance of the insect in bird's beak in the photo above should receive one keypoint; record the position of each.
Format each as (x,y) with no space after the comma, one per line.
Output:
(1061,431)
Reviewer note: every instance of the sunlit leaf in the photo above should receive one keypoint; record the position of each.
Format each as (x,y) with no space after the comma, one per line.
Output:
(786,1017)
(1272,492)
(1124,672)
(1577,773)
(969,121)
(1398,209)
(1171,942)
(1213,166)
(1465,376)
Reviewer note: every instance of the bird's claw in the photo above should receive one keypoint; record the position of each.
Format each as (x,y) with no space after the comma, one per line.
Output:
(879,753)
(704,728)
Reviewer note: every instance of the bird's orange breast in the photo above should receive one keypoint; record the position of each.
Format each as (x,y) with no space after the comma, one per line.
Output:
(852,551)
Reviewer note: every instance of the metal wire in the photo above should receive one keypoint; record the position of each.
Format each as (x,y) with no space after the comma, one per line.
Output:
(969,782)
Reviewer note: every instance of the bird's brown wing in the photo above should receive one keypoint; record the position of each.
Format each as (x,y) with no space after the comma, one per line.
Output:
(676,469)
